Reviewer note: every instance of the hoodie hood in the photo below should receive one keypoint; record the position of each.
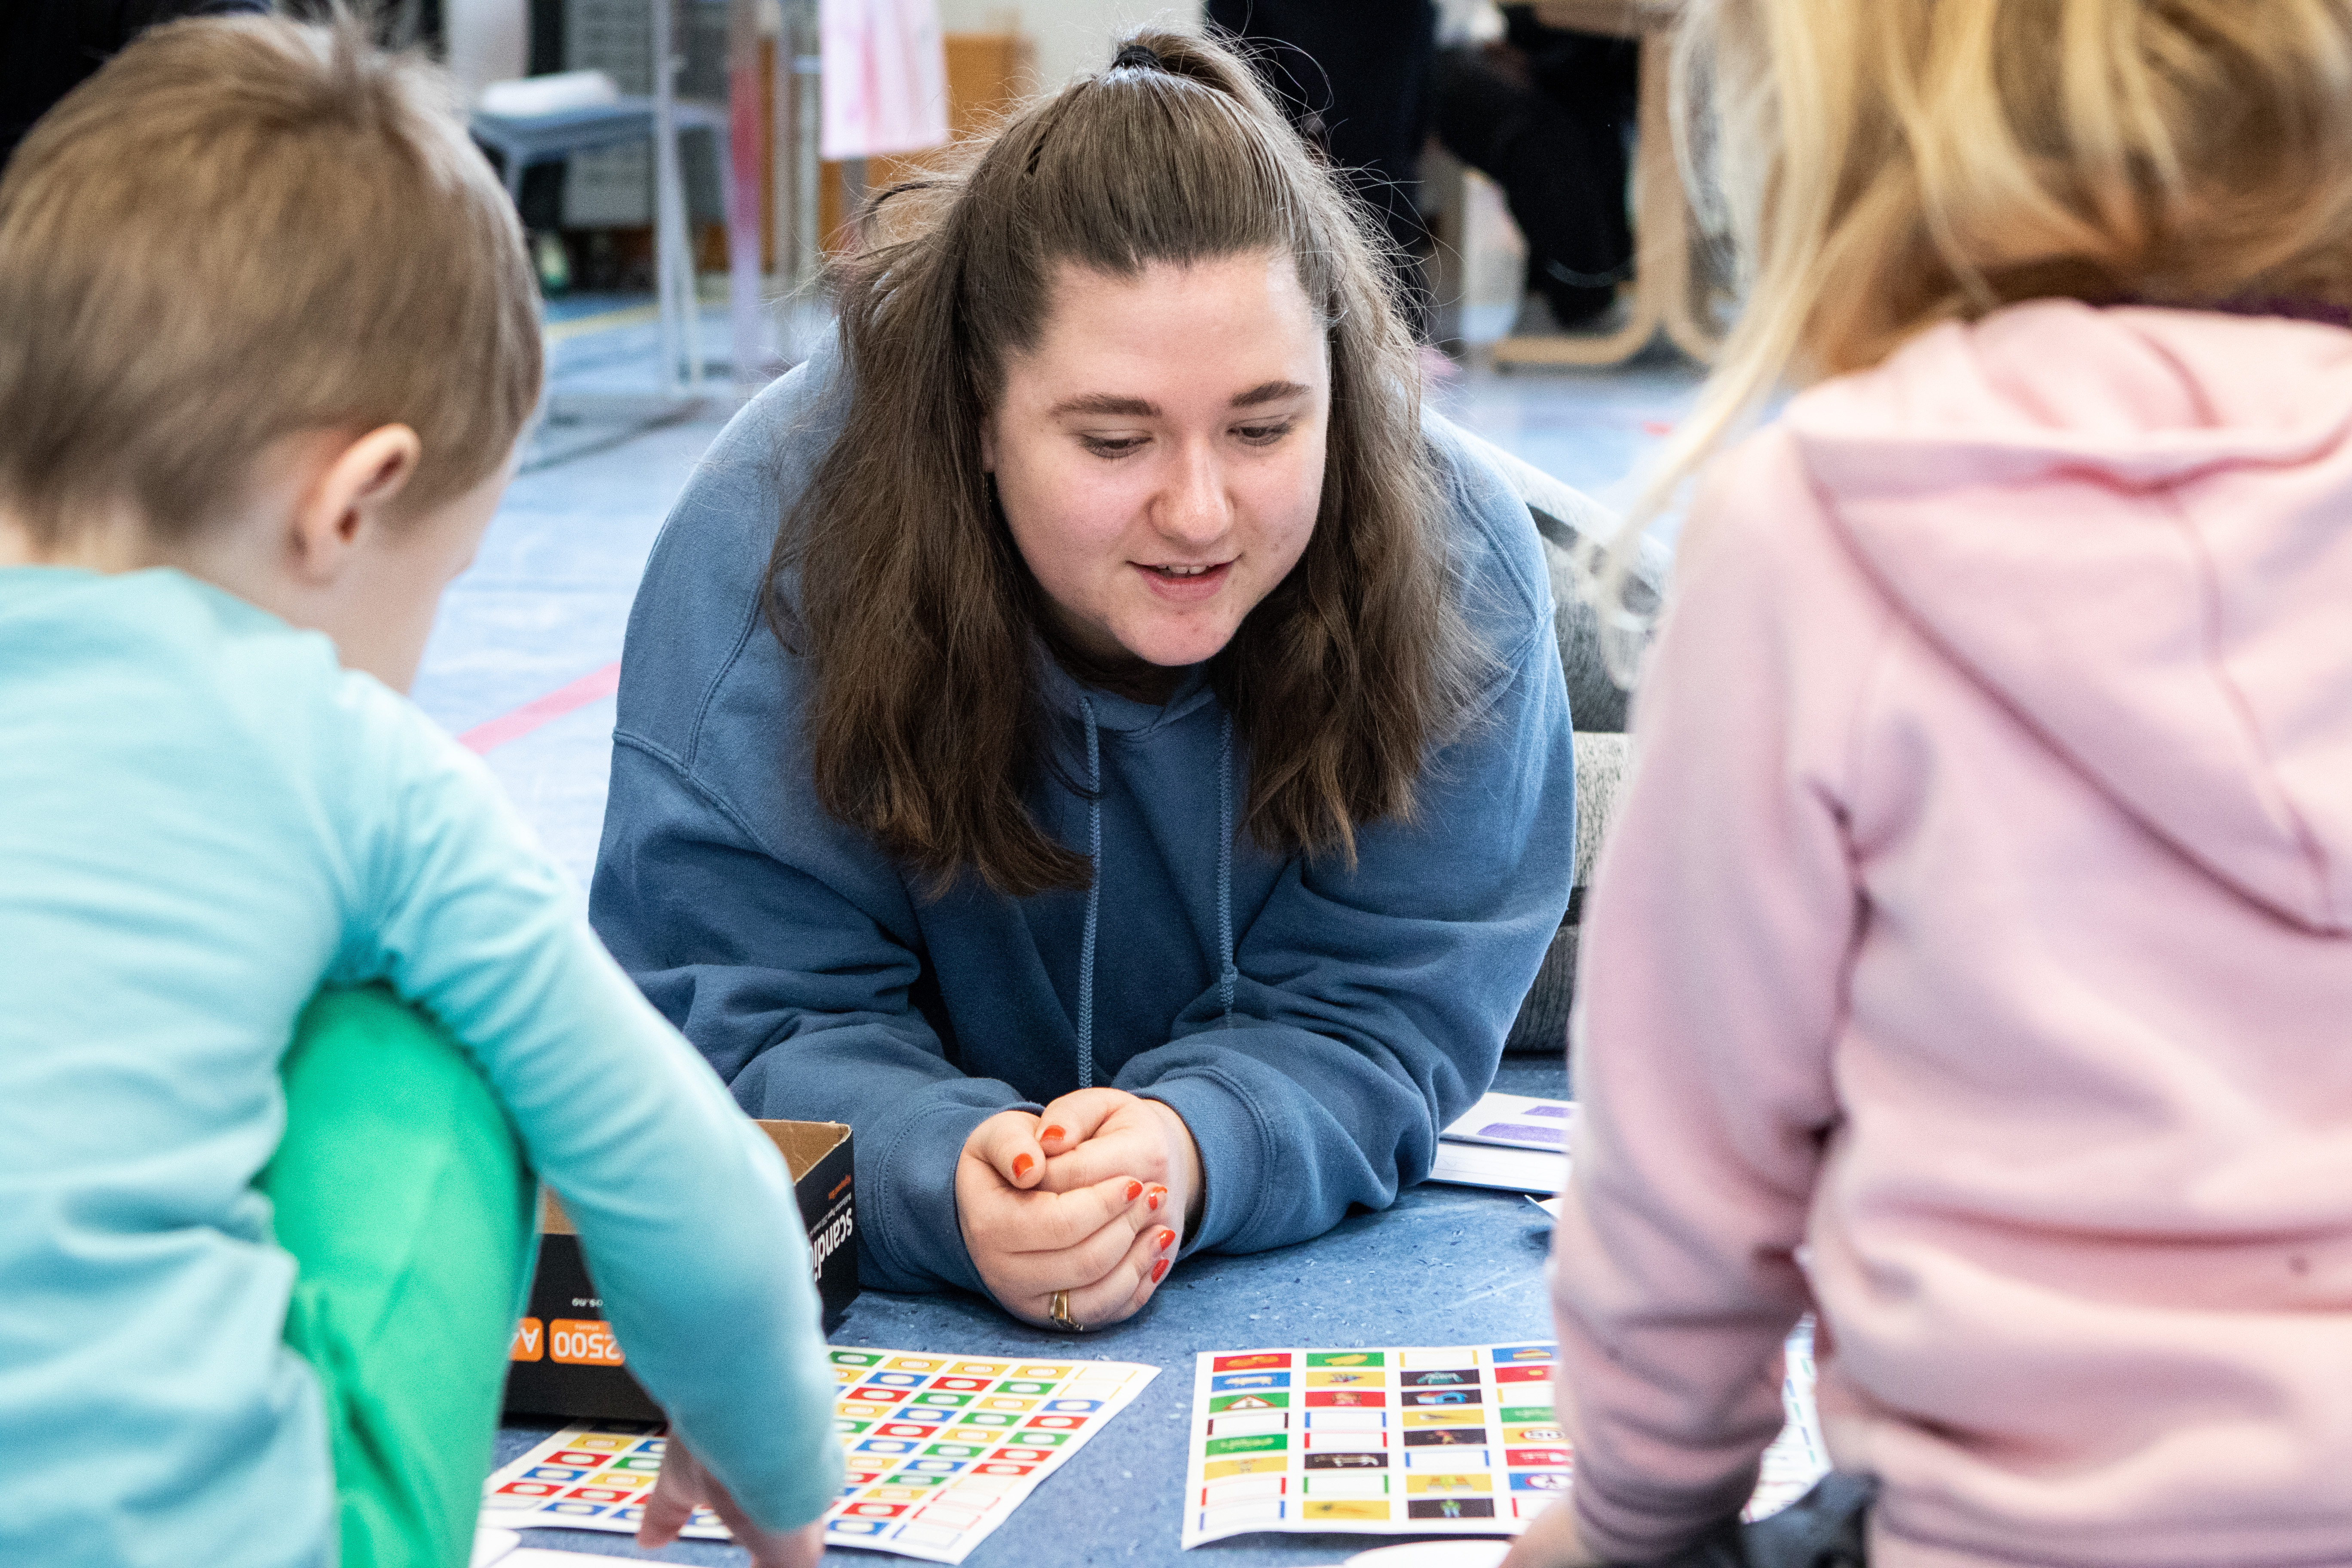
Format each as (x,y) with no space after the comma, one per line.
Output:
(2134,526)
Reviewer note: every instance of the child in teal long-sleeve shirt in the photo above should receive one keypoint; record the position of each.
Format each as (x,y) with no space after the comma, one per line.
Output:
(267,340)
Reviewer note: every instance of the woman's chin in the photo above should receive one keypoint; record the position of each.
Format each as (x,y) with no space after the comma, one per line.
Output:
(1173,647)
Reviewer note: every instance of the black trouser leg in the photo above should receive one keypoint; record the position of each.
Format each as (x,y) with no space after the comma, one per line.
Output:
(1354,75)
(1826,1527)
(1552,139)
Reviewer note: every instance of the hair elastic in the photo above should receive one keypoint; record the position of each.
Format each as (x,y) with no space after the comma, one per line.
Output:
(1138,56)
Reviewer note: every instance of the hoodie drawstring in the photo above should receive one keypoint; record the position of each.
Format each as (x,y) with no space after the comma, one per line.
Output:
(1228,976)
(1093,898)
(1228,973)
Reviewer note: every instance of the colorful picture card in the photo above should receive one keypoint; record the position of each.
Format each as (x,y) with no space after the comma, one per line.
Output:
(940,1450)
(1410,1440)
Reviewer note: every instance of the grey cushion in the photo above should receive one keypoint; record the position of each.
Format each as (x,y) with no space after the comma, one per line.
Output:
(1541,1026)
(1573,525)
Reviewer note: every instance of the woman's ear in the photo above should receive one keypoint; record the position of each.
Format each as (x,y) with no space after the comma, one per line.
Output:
(354,486)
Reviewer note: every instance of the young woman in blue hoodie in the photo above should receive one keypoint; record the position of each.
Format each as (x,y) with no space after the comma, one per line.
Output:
(1089,731)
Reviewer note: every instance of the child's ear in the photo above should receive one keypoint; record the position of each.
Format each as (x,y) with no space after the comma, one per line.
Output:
(358,481)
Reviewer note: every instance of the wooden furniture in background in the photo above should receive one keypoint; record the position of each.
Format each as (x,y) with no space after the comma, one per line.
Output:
(1611,18)
(1661,297)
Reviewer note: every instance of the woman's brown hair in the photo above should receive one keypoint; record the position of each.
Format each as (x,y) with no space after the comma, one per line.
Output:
(896,576)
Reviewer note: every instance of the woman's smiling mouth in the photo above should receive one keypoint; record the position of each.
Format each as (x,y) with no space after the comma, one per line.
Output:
(1184,583)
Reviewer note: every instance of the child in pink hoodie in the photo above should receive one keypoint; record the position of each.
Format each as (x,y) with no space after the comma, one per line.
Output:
(1972,964)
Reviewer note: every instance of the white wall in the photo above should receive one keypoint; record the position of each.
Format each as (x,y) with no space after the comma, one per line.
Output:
(488,40)
(486,37)
(1071,35)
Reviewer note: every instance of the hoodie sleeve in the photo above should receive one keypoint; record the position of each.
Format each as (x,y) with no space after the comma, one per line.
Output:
(1712,983)
(685,1210)
(699,907)
(749,915)
(1372,1002)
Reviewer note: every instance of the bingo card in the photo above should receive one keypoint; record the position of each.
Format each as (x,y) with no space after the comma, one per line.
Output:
(940,1449)
(1410,1441)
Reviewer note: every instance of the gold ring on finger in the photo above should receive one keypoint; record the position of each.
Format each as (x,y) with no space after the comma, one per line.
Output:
(1059,1310)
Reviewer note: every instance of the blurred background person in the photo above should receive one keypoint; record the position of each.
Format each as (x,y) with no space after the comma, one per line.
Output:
(1545,113)
(1548,114)
(1354,77)
(49,47)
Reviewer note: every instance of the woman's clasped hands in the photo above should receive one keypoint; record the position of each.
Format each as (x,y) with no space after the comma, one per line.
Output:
(1091,1199)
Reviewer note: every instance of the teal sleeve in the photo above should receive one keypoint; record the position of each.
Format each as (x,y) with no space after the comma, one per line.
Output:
(683,1208)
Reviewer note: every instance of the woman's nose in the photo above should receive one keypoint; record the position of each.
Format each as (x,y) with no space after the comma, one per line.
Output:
(1193,507)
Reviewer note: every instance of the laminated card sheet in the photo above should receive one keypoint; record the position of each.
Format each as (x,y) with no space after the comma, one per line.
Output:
(940,1449)
(1508,1141)
(1511,1170)
(1516,1121)
(1458,1440)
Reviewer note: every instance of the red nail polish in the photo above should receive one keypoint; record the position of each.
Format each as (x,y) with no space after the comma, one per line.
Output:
(1051,1133)
(1021,1163)
(1167,1237)
(1134,1191)
(1158,1196)
(1160,1271)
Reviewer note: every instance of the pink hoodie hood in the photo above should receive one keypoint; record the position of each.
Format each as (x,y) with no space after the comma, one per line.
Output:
(2134,526)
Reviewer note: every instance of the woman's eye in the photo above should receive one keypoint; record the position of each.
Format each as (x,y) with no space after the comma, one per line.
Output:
(1263,434)
(1112,446)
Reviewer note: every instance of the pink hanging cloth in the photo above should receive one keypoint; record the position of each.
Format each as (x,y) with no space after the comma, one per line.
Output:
(885,77)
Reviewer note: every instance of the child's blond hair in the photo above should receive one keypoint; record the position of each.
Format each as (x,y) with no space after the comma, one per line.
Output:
(1889,164)
(237,230)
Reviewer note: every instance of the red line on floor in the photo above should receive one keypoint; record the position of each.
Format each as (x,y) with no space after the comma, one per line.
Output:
(521,722)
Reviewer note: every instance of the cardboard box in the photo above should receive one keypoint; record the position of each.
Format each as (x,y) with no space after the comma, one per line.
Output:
(564,1361)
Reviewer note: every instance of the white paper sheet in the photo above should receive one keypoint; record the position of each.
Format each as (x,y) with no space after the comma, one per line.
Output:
(1512,1170)
(1432,1554)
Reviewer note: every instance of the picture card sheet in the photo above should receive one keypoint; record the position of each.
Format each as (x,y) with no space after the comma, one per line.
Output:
(1508,1141)
(1455,1440)
(1516,1121)
(940,1450)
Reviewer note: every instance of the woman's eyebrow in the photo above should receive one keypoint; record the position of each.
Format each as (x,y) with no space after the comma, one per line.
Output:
(1268,392)
(1105,403)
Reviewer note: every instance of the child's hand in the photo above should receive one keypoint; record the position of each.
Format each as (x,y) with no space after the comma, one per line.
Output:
(684,1484)
(1100,1242)
(1551,1541)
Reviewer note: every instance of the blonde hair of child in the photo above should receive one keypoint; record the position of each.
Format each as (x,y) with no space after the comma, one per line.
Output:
(237,230)
(1886,165)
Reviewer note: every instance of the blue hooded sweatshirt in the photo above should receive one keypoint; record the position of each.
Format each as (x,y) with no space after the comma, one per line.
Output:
(1315,1025)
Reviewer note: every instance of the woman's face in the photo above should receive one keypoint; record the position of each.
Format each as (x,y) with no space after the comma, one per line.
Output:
(1160,454)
